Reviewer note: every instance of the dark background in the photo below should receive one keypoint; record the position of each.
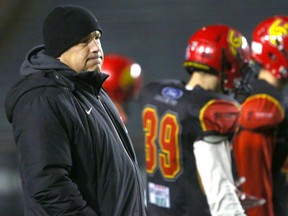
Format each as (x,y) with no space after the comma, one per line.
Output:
(153,32)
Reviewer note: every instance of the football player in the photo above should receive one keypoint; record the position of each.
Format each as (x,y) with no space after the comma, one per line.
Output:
(260,145)
(187,129)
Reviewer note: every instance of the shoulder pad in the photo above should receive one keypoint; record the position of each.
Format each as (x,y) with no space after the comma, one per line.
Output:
(261,111)
(220,116)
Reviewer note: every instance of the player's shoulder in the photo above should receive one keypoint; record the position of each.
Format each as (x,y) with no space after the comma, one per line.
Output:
(164,82)
(161,84)
(263,87)
(224,98)
(220,114)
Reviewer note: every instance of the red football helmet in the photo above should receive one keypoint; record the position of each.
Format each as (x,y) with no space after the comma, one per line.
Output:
(270,45)
(219,50)
(124,79)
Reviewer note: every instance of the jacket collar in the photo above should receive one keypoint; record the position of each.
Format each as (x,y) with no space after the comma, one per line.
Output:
(93,81)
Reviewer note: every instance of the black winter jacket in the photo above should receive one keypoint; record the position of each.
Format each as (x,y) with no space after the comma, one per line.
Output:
(75,155)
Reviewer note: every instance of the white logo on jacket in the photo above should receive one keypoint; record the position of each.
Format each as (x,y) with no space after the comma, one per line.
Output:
(89,111)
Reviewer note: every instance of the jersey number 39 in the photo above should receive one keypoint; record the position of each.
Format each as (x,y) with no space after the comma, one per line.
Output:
(164,132)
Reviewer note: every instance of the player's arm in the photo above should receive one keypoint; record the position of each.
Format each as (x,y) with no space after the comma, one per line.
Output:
(214,167)
(263,111)
(213,157)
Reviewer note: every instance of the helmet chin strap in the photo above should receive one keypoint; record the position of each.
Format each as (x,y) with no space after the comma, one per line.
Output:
(222,73)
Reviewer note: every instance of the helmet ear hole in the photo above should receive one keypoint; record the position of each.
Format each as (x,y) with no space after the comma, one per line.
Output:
(228,66)
(272,56)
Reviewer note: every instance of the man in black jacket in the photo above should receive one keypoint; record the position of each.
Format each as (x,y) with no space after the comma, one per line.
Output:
(75,154)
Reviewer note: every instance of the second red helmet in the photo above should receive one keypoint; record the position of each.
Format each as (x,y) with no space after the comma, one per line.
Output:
(270,45)
(124,79)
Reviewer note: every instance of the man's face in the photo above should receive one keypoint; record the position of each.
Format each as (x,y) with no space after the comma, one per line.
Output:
(85,56)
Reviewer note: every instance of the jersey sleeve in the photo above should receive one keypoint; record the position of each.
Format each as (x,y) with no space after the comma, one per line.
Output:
(214,168)
(261,111)
(219,117)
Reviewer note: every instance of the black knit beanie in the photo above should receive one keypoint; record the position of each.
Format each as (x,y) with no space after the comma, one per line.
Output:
(65,26)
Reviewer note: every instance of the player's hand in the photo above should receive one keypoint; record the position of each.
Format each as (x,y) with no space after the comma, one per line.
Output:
(247,201)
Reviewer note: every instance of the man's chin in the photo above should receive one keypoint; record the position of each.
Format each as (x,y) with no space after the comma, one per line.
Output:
(95,69)
(98,69)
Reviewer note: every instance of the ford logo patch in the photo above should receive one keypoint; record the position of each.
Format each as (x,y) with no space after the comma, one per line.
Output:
(173,93)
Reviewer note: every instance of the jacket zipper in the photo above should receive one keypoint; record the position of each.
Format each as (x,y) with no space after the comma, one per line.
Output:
(114,128)
(138,174)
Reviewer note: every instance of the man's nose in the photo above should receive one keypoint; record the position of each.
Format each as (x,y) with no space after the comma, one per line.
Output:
(95,46)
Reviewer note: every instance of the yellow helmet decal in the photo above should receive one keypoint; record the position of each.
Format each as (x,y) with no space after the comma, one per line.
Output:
(235,41)
(278,28)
